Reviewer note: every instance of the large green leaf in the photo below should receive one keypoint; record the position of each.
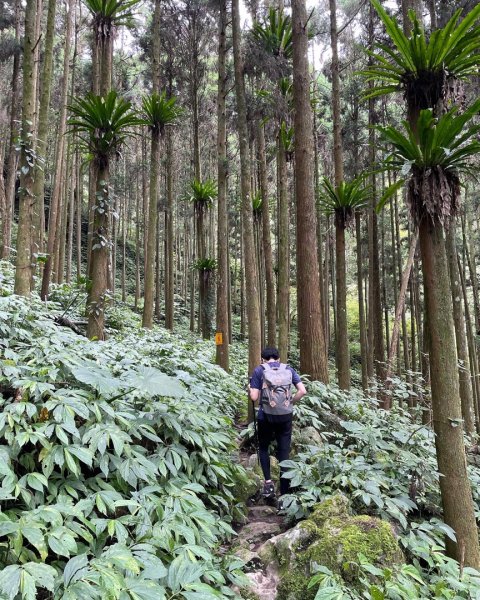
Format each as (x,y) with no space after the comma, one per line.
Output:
(151,381)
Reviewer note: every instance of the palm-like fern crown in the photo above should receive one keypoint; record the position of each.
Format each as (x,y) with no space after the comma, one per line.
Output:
(275,33)
(420,66)
(117,12)
(203,193)
(448,142)
(431,158)
(103,123)
(343,200)
(257,202)
(160,111)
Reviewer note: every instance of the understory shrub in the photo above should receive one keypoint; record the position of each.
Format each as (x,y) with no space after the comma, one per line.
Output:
(116,466)
(386,464)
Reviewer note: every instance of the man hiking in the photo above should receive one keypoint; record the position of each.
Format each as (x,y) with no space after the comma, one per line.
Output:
(271,384)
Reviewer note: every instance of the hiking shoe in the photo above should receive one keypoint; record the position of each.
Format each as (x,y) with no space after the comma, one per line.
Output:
(268,490)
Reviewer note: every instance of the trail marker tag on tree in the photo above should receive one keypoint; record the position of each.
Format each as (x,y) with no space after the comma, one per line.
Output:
(219,338)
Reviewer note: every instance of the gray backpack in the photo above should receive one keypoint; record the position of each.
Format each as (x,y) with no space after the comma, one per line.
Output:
(276,389)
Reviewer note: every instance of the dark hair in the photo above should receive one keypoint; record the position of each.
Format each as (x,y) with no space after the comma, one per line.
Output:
(270,352)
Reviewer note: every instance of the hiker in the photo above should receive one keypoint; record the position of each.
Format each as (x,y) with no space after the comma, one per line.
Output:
(271,384)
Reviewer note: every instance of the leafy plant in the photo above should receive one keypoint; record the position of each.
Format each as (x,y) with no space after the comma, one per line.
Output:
(116,478)
(433,156)
(419,66)
(160,111)
(203,193)
(118,12)
(344,199)
(275,33)
(205,264)
(102,124)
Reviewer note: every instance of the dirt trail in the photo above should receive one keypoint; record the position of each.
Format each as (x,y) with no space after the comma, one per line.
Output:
(262,523)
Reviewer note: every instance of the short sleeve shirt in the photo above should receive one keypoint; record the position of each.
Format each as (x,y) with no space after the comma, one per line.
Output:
(256,382)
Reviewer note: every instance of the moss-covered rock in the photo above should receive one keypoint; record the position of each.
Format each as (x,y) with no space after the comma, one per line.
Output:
(336,507)
(333,538)
(294,586)
(247,487)
(340,542)
(307,436)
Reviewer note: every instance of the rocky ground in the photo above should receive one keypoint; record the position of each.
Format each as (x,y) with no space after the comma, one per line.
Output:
(280,559)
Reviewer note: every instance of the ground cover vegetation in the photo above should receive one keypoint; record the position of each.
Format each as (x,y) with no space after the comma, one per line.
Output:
(117,471)
(268,173)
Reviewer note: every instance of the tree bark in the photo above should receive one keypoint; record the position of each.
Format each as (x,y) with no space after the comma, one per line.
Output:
(267,240)
(12,153)
(446,405)
(251,275)
(361,302)
(24,262)
(222,346)
(465,383)
(41,148)
(313,353)
(283,254)
(400,308)
(59,162)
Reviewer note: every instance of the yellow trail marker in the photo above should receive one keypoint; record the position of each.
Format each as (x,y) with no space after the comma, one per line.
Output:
(219,338)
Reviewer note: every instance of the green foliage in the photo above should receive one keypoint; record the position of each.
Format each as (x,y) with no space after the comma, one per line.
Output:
(102,124)
(203,193)
(287,139)
(160,111)
(205,264)
(115,471)
(275,33)
(343,200)
(443,145)
(386,466)
(118,12)
(420,66)
(257,202)
(448,142)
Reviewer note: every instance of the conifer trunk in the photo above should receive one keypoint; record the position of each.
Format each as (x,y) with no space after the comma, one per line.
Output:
(12,153)
(250,265)
(283,255)
(465,383)
(446,405)
(313,353)
(222,349)
(271,309)
(59,161)
(24,266)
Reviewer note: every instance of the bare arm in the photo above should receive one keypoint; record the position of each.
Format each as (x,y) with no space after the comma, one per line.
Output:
(300,393)
(254,393)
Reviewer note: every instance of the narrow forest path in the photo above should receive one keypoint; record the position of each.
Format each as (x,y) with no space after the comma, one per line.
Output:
(261,524)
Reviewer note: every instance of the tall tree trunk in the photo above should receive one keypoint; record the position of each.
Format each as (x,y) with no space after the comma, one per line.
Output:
(313,353)
(465,384)
(375,321)
(24,266)
(147,320)
(169,233)
(399,310)
(222,345)
(266,239)
(41,148)
(341,332)
(455,488)
(150,253)
(99,260)
(251,275)
(361,302)
(12,153)
(283,254)
(59,163)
